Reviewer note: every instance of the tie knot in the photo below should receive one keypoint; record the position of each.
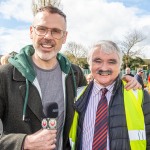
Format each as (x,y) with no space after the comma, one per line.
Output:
(104,91)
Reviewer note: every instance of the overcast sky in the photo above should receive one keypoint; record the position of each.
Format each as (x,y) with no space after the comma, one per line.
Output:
(88,21)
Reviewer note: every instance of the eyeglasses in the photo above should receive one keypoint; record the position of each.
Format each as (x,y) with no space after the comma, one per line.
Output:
(55,32)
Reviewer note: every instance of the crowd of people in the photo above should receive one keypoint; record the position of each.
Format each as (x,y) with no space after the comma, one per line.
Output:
(139,76)
(107,113)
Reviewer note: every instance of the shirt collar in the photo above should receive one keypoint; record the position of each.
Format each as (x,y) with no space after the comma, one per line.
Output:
(97,87)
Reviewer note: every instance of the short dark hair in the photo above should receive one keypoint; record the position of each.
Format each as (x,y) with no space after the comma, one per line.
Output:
(51,9)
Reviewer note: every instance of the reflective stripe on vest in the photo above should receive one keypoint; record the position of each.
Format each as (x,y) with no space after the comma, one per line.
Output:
(135,119)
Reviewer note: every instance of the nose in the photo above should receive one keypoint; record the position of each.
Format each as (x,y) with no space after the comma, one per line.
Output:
(104,65)
(48,35)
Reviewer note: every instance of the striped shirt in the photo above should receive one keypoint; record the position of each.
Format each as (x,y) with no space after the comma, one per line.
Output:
(90,115)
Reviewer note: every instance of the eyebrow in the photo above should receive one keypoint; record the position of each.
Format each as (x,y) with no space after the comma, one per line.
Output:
(96,59)
(112,60)
(102,59)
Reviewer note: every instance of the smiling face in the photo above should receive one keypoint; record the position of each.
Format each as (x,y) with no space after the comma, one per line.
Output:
(105,67)
(46,46)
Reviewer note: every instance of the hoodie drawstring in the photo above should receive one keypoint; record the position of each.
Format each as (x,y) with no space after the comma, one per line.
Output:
(26,100)
(27,94)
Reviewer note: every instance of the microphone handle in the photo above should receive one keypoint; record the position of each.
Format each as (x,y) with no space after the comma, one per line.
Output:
(49,123)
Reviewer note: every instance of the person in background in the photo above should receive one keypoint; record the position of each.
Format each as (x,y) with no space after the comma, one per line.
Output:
(139,76)
(147,74)
(107,115)
(4,59)
(148,81)
(34,79)
(128,72)
(89,78)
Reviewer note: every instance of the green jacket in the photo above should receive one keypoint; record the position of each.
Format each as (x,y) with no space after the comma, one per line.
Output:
(18,84)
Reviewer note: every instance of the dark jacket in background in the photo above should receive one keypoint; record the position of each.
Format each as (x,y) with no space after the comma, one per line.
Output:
(130,74)
(140,80)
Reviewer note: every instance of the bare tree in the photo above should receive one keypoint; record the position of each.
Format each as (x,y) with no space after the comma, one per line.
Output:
(75,52)
(129,45)
(40,3)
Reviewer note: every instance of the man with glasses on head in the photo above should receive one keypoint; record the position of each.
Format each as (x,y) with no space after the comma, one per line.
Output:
(36,78)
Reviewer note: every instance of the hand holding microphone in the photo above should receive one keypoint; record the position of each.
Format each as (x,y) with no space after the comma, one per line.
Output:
(46,137)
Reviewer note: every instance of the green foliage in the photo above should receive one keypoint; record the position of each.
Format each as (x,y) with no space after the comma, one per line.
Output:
(82,62)
(76,53)
(133,63)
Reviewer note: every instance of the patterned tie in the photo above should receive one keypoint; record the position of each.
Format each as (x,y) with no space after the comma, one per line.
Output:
(101,124)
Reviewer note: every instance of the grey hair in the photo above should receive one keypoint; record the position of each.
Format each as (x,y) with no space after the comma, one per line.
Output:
(106,46)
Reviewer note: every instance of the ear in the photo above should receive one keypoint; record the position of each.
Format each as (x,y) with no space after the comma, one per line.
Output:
(31,32)
(65,37)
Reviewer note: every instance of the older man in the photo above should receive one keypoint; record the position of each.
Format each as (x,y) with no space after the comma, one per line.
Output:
(110,117)
(128,72)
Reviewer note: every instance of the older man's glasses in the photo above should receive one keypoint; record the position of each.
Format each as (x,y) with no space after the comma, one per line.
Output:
(55,32)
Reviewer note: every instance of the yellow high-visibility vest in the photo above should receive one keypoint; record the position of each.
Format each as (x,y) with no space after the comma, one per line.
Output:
(134,118)
(73,130)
